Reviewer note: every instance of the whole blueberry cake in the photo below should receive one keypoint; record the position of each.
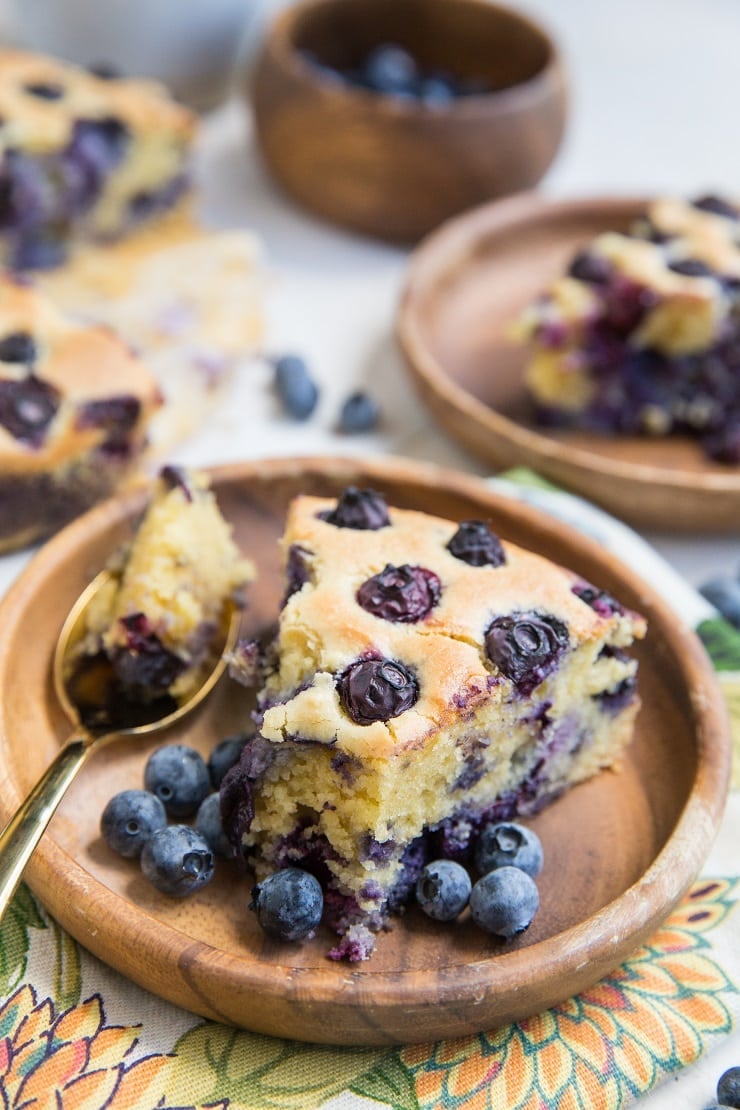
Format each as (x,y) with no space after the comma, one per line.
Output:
(426,678)
(82,155)
(157,618)
(75,409)
(641,336)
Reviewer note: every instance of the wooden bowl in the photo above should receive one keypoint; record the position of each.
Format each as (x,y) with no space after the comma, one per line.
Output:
(464,286)
(642,832)
(391,167)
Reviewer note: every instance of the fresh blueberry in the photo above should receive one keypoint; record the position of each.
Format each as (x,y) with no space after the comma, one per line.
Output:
(508,844)
(504,901)
(526,647)
(724,594)
(443,889)
(728,1088)
(359,413)
(129,819)
(436,92)
(288,903)
(295,387)
(27,408)
(179,777)
(18,346)
(208,823)
(44,90)
(717,205)
(376,690)
(177,860)
(390,69)
(358,508)
(224,756)
(401,594)
(475,544)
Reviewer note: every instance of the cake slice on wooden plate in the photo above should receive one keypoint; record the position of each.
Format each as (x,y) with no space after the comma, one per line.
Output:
(426,677)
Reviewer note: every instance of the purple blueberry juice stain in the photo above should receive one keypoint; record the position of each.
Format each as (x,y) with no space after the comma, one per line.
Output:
(238,789)
(402,594)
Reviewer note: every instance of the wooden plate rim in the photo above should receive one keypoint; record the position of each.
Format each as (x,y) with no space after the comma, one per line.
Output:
(606,936)
(438,253)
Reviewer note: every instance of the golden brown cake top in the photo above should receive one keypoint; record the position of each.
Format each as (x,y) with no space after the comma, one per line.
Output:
(41,99)
(65,387)
(404,594)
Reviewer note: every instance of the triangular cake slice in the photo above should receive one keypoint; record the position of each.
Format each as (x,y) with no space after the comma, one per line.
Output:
(426,677)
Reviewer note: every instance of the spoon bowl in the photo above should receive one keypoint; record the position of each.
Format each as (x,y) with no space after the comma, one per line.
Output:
(105,718)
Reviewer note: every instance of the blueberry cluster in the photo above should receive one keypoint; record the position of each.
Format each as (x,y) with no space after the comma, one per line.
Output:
(176,858)
(504,899)
(391,70)
(298,394)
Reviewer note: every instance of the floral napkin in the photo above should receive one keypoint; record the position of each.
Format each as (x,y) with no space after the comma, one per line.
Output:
(75,1035)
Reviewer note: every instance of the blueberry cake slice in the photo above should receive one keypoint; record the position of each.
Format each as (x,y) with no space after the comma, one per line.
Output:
(82,155)
(75,408)
(641,336)
(426,677)
(157,618)
(187,299)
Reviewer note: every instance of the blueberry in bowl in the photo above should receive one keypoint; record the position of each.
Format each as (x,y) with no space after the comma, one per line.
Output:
(388,118)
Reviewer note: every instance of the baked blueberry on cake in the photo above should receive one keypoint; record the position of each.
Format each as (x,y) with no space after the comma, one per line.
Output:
(157,619)
(75,408)
(641,336)
(427,677)
(82,155)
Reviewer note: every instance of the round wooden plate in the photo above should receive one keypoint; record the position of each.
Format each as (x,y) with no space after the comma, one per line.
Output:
(465,285)
(619,850)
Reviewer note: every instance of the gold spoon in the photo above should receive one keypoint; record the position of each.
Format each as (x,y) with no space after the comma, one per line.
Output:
(24,830)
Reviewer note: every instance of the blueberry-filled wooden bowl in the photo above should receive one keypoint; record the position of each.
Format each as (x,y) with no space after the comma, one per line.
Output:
(481,116)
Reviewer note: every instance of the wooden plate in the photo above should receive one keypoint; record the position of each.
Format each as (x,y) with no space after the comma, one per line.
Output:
(465,284)
(620,850)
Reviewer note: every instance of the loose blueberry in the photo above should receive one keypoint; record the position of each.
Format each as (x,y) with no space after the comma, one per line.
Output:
(437,92)
(359,413)
(728,1088)
(224,756)
(474,543)
(390,69)
(288,904)
(208,823)
(376,690)
(129,819)
(27,408)
(443,889)
(504,901)
(724,594)
(177,860)
(295,387)
(526,647)
(508,844)
(179,777)
(358,508)
(401,594)
(18,346)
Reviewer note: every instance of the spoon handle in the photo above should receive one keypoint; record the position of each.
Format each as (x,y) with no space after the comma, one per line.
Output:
(24,830)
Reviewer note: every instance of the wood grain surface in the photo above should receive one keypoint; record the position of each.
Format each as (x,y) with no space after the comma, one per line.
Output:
(390,167)
(619,850)
(465,286)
